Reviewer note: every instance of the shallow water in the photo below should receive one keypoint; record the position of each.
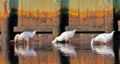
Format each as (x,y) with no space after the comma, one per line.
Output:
(83,57)
(45,55)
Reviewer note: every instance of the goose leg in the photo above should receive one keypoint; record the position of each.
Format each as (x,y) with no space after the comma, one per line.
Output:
(15,48)
(24,43)
(27,46)
(27,43)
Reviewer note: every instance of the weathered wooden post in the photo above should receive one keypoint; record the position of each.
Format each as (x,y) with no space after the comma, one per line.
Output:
(5,35)
(10,20)
(5,40)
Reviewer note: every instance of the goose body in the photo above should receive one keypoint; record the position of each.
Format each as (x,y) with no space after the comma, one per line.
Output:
(65,36)
(66,48)
(105,37)
(24,36)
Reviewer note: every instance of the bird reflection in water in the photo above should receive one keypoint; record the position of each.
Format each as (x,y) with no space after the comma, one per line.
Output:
(66,49)
(102,44)
(62,43)
(24,50)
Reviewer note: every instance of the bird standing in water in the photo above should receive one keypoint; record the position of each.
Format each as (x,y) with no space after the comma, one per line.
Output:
(65,36)
(26,35)
(105,40)
(65,48)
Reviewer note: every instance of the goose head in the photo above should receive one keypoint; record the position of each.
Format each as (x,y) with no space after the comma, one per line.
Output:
(16,38)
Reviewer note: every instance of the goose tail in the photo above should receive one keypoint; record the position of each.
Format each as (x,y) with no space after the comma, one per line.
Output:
(74,30)
(33,33)
(112,32)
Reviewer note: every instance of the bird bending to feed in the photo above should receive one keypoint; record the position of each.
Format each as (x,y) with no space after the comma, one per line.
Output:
(105,41)
(65,36)
(66,48)
(26,35)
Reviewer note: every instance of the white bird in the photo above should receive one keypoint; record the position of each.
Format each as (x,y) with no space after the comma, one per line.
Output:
(24,36)
(65,36)
(66,48)
(105,41)
(105,38)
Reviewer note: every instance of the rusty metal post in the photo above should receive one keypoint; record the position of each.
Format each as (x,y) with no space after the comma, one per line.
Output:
(116,37)
(64,21)
(12,21)
(5,36)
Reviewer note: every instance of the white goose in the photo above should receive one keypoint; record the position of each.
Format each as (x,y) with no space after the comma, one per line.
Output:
(105,40)
(24,36)
(66,48)
(65,36)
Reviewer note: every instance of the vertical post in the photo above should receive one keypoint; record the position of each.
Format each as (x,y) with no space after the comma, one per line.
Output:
(64,15)
(64,20)
(5,39)
(116,34)
(56,31)
(5,35)
(12,21)
(59,27)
